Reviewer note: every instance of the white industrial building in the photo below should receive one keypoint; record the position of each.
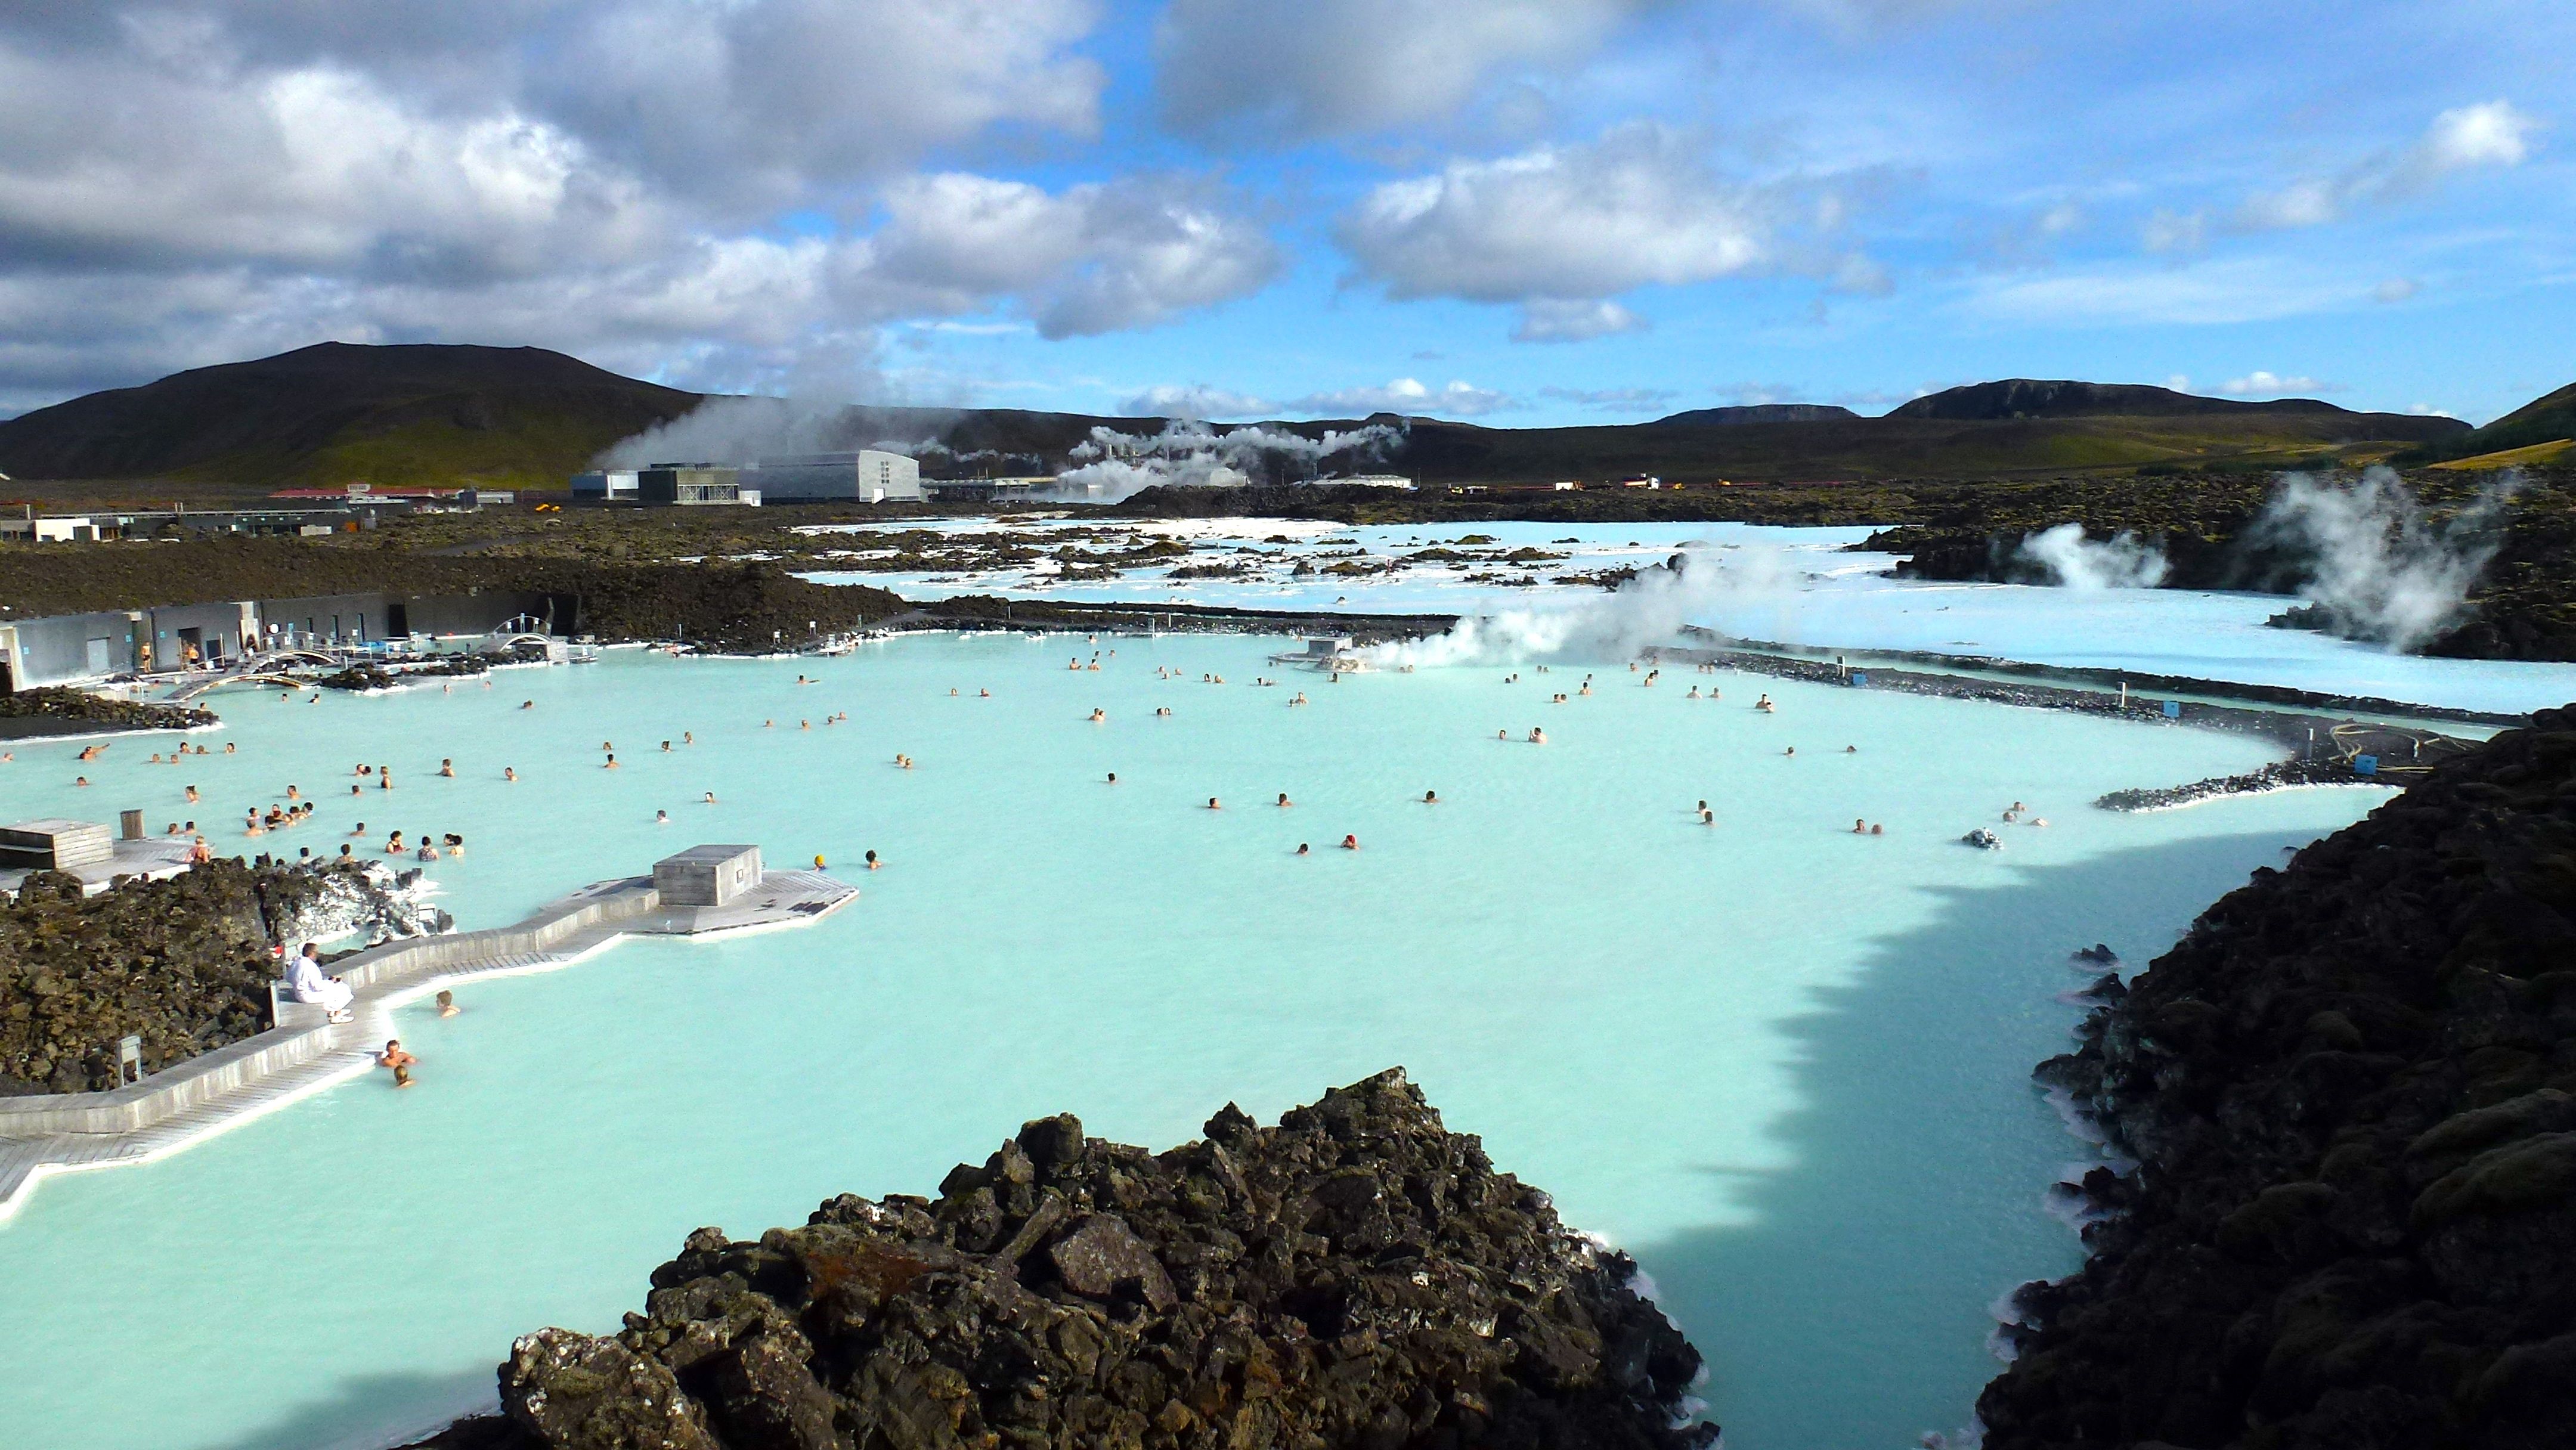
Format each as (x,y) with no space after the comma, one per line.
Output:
(605,485)
(867,476)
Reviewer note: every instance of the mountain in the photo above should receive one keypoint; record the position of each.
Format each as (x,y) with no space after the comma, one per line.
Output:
(341,412)
(1755,413)
(2034,398)
(2545,419)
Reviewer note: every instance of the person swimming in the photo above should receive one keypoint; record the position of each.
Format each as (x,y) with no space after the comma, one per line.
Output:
(393,1055)
(1163,712)
(509,773)
(1707,817)
(192,795)
(527,704)
(1283,799)
(1431,797)
(1792,750)
(1537,737)
(1212,805)
(818,863)
(687,738)
(609,764)
(447,1004)
(661,818)
(1859,828)
(1099,716)
(1851,750)
(1350,843)
(1113,777)
(1301,848)
(1764,705)
(873,862)
(402,1076)
(710,798)
(666,747)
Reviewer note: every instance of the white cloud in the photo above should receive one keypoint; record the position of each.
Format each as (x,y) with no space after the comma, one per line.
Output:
(1093,258)
(2492,134)
(1557,319)
(1409,396)
(608,175)
(1560,229)
(2179,382)
(1346,67)
(2396,289)
(1197,400)
(2263,384)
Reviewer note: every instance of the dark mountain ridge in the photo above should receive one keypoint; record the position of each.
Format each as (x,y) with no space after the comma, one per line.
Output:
(339,412)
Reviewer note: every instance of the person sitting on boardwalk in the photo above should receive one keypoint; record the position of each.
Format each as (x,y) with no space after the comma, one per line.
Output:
(307,982)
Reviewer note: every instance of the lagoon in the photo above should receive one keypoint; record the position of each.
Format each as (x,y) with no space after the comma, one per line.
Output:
(1786,1067)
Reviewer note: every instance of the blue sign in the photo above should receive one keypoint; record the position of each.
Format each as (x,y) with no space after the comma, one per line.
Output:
(2365,765)
(1858,678)
(2173,709)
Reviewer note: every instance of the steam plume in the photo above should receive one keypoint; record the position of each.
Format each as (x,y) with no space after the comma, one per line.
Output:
(2378,567)
(1649,609)
(2075,562)
(1191,453)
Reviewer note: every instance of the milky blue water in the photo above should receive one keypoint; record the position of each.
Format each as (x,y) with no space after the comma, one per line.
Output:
(1798,585)
(1788,1068)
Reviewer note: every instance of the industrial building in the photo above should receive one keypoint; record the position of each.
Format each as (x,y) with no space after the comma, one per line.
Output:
(869,475)
(604,485)
(69,648)
(686,484)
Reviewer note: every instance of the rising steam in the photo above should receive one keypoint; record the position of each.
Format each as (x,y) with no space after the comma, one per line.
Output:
(2075,562)
(1193,454)
(2375,564)
(1649,609)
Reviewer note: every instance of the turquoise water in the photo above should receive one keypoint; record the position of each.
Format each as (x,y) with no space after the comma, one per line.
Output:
(1802,586)
(1786,1067)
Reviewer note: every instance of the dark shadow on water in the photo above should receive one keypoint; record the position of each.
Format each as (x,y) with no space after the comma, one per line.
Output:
(1851,1311)
(374,1411)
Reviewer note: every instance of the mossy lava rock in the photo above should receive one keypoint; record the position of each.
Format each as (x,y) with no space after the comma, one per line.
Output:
(1356,1276)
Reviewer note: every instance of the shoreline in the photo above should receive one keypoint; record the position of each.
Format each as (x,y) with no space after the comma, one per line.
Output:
(304,1053)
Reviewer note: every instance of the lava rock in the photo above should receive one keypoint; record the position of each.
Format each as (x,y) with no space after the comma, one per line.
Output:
(2350,1093)
(1356,1276)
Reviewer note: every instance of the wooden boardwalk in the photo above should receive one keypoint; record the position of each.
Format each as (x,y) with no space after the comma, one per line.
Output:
(306,1054)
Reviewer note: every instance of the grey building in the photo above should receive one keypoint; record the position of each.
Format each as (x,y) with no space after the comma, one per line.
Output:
(869,475)
(605,485)
(68,647)
(690,483)
(202,633)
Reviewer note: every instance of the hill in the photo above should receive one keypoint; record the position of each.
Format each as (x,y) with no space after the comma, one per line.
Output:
(2545,419)
(1757,413)
(340,412)
(2061,398)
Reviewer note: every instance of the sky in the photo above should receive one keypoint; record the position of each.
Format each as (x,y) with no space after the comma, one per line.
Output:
(1516,212)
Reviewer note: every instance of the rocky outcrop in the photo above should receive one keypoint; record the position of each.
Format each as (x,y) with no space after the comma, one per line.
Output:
(1356,1276)
(57,710)
(2350,1093)
(184,963)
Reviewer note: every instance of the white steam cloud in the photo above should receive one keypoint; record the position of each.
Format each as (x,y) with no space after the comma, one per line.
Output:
(730,430)
(2376,564)
(1649,609)
(1112,465)
(2075,562)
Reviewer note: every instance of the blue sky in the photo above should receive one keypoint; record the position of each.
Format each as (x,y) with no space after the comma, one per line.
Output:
(1513,211)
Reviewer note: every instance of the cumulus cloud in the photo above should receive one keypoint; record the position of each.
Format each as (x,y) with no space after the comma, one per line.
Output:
(1346,67)
(1411,397)
(2490,135)
(2262,384)
(1093,258)
(1560,229)
(609,176)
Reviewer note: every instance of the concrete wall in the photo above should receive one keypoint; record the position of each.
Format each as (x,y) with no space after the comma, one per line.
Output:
(66,648)
(868,476)
(318,617)
(465,613)
(221,629)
